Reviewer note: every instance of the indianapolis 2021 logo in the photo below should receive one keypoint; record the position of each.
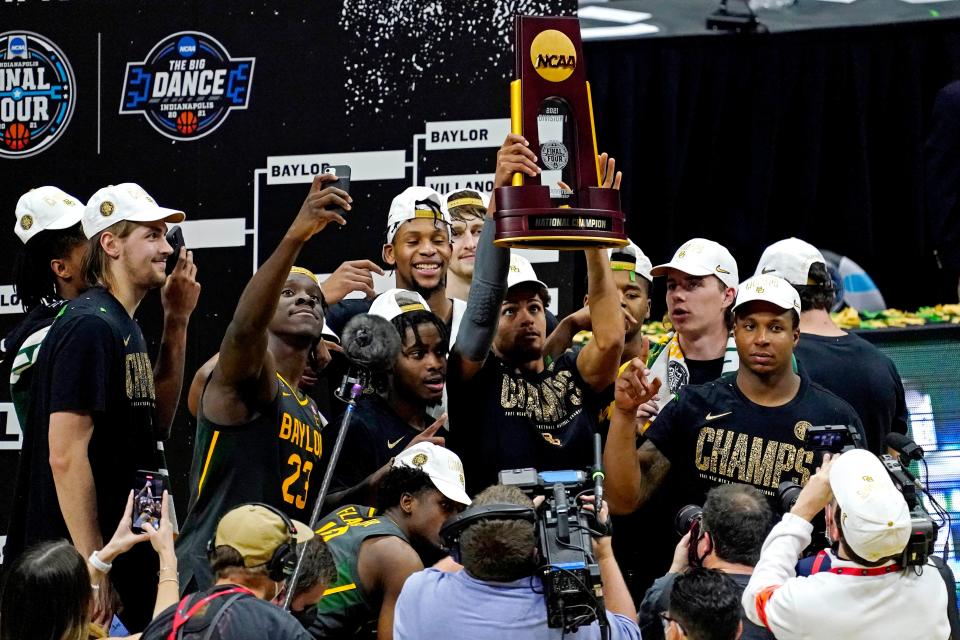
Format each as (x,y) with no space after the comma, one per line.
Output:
(37,93)
(187,85)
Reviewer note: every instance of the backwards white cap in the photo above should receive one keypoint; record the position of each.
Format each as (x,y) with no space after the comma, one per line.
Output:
(790,259)
(415,202)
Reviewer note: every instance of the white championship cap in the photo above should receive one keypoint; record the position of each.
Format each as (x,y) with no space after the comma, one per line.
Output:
(875,519)
(770,289)
(790,259)
(46,208)
(415,202)
(631,258)
(126,201)
(389,304)
(521,271)
(442,465)
(701,257)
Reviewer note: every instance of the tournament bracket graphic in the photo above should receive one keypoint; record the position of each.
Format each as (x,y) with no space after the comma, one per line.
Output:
(37,93)
(187,85)
(448,148)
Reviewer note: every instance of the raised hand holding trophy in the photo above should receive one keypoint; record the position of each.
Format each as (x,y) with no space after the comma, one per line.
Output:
(550,106)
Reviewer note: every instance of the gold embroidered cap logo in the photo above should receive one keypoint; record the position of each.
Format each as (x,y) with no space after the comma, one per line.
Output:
(26,222)
(106,208)
(800,429)
(722,270)
(69,202)
(553,55)
(419,460)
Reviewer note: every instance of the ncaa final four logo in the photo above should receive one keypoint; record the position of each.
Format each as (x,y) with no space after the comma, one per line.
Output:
(37,93)
(187,85)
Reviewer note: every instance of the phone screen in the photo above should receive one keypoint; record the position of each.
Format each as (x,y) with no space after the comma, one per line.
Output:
(147,499)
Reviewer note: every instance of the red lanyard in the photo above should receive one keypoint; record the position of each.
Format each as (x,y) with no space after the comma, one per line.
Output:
(180,618)
(850,571)
(875,571)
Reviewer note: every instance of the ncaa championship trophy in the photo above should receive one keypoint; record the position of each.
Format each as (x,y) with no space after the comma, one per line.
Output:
(550,106)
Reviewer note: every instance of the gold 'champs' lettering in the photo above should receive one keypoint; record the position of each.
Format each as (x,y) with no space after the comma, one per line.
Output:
(139,377)
(729,456)
(544,403)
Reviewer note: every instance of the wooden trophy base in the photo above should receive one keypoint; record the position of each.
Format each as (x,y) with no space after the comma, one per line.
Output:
(526,220)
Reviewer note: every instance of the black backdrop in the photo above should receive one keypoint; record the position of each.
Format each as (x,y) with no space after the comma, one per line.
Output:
(816,134)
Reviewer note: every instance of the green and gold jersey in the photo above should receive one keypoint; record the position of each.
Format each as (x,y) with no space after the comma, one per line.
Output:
(276,458)
(346,610)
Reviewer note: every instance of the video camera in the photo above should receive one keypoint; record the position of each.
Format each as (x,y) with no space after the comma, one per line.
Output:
(839,439)
(570,574)
(831,438)
(923,531)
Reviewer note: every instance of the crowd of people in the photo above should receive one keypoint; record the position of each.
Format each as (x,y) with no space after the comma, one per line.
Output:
(486,379)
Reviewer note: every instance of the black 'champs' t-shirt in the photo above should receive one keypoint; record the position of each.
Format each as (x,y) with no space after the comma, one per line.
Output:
(508,419)
(94,359)
(712,435)
(861,374)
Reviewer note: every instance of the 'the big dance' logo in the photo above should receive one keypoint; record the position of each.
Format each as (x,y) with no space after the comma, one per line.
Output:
(187,85)
(37,93)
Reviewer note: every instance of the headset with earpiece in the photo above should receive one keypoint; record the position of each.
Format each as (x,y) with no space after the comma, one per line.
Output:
(453,528)
(284,557)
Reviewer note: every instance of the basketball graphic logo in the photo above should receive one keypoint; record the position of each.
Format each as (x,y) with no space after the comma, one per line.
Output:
(106,208)
(17,137)
(26,222)
(37,96)
(187,122)
(187,85)
(419,460)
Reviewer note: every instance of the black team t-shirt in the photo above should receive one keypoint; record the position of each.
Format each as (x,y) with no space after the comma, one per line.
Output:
(375,434)
(712,435)
(277,458)
(507,419)
(861,374)
(94,360)
(704,371)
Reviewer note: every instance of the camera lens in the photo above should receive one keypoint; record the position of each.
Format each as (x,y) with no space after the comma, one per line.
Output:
(787,494)
(686,517)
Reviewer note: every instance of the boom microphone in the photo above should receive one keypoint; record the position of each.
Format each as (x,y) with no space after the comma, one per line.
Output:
(372,345)
(903,445)
(371,342)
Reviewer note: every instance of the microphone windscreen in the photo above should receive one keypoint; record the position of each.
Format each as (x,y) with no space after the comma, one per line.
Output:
(371,342)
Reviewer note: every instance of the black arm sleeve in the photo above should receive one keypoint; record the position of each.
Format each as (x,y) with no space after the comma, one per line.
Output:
(479,322)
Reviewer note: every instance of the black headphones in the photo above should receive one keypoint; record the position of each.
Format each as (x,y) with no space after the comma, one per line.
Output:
(453,528)
(284,558)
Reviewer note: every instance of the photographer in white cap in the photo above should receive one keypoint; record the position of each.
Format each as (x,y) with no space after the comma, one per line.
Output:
(98,406)
(844,363)
(748,427)
(866,593)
